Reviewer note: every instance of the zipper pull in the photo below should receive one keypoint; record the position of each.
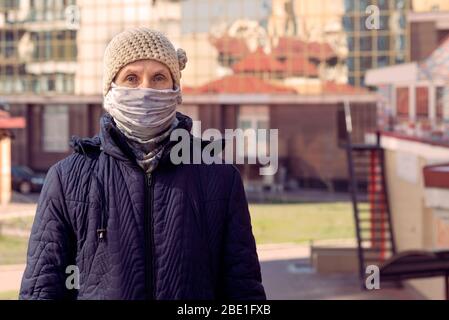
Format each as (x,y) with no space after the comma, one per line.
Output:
(149,179)
(101,234)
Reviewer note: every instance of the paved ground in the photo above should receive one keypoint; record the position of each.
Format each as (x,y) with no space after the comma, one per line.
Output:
(22,198)
(295,280)
(10,277)
(285,267)
(302,196)
(21,205)
(15,211)
(286,275)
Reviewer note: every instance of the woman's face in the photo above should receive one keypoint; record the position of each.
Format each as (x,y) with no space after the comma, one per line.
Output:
(145,74)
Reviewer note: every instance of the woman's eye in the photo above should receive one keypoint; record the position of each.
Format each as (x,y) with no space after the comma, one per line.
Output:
(159,77)
(131,78)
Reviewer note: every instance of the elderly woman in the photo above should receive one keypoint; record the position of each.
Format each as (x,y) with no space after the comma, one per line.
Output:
(118,220)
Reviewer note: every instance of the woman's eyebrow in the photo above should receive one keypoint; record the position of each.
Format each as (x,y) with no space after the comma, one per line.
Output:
(163,71)
(131,70)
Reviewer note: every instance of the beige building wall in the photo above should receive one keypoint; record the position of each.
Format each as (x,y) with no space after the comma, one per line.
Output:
(430,5)
(319,21)
(413,222)
(202,65)
(103,19)
(315,20)
(5,169)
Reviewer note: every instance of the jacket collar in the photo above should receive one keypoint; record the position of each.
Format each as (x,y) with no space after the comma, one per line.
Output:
(113,142)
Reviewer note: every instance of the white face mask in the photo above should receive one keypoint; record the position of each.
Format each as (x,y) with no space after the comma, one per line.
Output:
(142,113)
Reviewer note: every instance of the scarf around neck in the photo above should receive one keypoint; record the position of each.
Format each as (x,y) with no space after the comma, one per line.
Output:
(149,152)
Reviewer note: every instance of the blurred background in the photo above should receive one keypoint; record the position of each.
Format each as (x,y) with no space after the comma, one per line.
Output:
(349,85)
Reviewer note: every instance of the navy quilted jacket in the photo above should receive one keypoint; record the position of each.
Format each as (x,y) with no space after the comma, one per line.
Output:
(183,233)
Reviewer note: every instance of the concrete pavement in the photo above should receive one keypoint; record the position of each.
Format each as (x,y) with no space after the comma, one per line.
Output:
(10,277)
(16,210)
(286,274)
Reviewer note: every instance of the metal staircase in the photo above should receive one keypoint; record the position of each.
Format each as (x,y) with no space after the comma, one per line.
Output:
(367,183)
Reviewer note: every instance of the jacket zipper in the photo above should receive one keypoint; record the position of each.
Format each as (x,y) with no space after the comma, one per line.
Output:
(149,241)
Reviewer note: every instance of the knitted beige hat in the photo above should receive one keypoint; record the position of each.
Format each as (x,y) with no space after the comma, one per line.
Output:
(137,44)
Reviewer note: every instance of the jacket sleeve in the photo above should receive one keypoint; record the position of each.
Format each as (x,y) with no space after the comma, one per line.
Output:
(50,247)
(242,275)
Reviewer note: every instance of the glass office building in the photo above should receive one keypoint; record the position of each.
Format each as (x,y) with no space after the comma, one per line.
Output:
(377,35)
(38,47)
(284,64)
(56,46)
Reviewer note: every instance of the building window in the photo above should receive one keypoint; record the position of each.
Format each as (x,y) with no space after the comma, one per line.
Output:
(402,102)
(366,44)
(382,61)
(422,102)
(383,43)
(253,118)
(55,125)
(54,45)
(49,10)
(441,101)
(9,4)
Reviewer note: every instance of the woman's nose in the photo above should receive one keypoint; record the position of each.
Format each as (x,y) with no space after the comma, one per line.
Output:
(146,83)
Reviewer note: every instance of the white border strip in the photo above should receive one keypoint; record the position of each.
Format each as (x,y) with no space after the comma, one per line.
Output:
(431,153)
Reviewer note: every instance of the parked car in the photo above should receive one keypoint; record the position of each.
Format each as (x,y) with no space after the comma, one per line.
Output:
(26,180)
(4,106)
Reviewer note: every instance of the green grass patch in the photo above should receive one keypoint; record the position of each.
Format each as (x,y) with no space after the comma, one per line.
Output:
(13,250)
(272,223)
(23,223)
(300,223)
(9,295)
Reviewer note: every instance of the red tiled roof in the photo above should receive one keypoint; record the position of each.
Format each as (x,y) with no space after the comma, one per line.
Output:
(242,84)
(300,66)
(230,46)
(258,61)
(318,50)
(342,88)
(294,47)
(187,89)
(8,122)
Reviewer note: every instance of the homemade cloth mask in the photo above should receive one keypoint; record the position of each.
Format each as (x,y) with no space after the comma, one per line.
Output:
(146,117)
(142,113)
